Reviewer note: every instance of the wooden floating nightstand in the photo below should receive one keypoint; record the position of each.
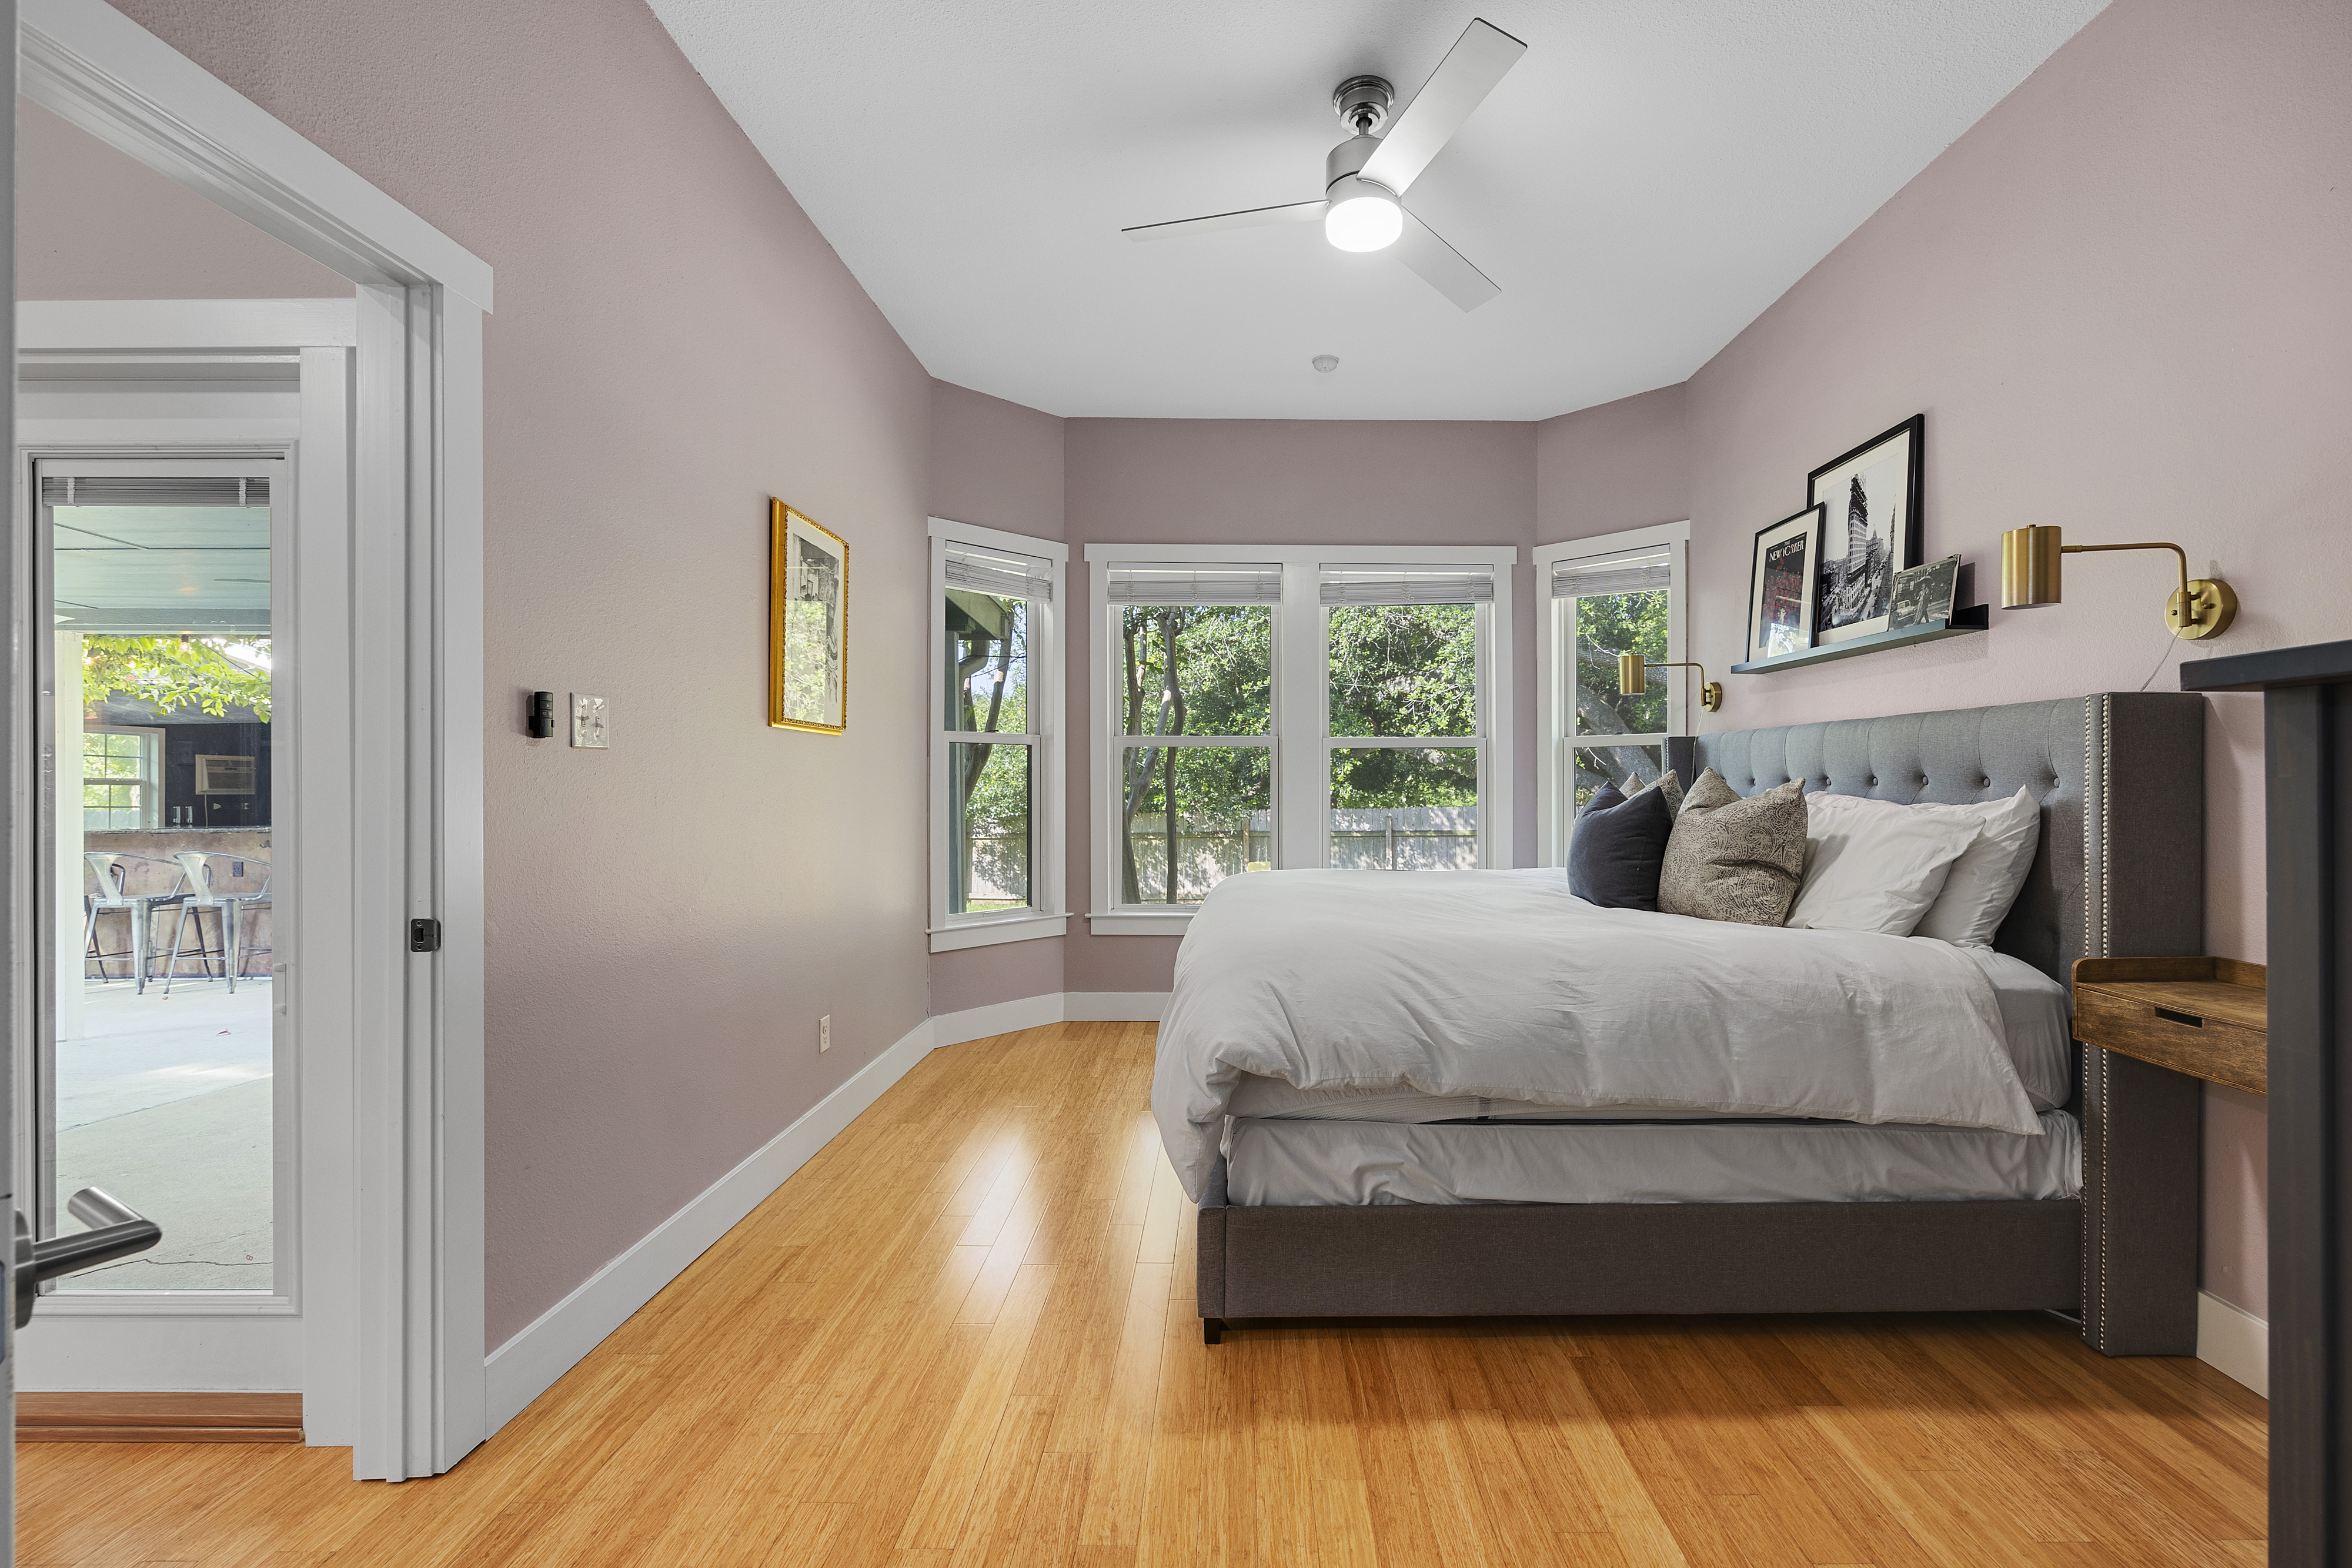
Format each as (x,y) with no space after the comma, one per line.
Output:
(2209,1018)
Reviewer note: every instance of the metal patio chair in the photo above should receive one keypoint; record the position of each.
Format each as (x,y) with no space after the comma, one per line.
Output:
(112,896)
(196,867)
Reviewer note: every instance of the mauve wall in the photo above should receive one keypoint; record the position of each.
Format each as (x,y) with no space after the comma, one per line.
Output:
(997,465)
(1623,465)
(1217,481)
(674,342)
(96,224)
(2121,299)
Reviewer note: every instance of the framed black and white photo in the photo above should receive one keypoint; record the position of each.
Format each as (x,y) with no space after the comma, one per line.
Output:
(1923,594)
(1781,586)
(1870,530)
(808,624)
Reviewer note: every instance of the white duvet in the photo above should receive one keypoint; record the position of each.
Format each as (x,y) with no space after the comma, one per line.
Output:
(1506,985)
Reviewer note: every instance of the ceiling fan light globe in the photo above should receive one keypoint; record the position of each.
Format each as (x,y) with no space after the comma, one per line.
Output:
(1361,217)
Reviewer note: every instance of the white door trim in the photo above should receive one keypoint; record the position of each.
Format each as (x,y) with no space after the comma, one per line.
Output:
(414,1326)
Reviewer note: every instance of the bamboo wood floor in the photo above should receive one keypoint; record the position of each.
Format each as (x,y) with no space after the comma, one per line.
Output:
(963,1335)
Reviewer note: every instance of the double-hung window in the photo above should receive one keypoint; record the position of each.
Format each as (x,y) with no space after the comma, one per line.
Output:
(1622,594)
(122,778)
(1264,708)
(1406,727)
(1192,779)
(996,822)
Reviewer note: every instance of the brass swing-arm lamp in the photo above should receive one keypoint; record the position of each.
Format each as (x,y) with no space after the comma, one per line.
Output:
(1633,678)
(2202,607)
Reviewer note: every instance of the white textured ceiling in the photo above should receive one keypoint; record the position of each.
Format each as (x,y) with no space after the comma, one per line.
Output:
(1650,177)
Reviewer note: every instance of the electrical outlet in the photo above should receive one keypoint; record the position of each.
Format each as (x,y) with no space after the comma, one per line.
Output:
(824,1033)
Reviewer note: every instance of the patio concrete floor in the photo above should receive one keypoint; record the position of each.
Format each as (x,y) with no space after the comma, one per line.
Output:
(165,1103)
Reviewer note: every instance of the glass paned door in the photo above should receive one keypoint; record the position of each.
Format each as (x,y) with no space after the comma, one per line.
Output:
(159,847)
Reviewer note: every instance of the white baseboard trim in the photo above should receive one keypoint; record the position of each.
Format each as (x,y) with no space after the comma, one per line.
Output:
(527,1365)
(1114,1006)
(999,1017)
(2232,1340)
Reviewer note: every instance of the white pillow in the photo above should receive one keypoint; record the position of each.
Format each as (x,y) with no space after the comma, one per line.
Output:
(1985,880)
(1872,865)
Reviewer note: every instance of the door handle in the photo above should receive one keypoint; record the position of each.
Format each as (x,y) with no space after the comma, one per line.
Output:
(117,1231)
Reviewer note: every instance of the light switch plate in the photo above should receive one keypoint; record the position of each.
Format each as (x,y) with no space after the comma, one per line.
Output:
(588,721)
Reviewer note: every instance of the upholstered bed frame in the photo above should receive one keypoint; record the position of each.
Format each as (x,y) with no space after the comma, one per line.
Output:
(2121,778)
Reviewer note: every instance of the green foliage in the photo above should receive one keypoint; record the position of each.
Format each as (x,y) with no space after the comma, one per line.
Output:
(1397,777)
(1220,680)
(1404,669)
(176,673)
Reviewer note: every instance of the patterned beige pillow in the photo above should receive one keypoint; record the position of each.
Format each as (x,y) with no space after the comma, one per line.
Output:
(1671,785)
(1731,859)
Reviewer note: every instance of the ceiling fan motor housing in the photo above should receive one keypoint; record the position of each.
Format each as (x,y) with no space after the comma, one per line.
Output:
(1346,158)
(1363,103)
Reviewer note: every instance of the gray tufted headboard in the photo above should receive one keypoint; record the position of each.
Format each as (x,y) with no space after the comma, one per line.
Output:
(2120,873)
(2120,775)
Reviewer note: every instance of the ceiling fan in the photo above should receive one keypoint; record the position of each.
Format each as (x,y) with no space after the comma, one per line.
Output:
(1365,176)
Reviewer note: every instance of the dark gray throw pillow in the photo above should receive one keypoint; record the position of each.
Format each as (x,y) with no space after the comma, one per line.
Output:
(1614,856)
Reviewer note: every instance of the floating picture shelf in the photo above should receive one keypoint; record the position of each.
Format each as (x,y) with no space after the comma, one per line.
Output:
(1968,619)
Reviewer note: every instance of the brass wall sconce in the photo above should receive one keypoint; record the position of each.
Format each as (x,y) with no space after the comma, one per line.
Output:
(1633,678)
(2201,607)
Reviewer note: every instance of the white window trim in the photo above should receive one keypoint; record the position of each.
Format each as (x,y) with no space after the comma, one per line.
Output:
(1554,695)
(1045,915)
(1300,749)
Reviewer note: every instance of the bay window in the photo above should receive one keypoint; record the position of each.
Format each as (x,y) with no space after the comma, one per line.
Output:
(1298,707)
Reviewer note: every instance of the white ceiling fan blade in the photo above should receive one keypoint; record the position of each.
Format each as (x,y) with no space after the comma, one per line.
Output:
(1459,85)
(1441,267)
(1296,212)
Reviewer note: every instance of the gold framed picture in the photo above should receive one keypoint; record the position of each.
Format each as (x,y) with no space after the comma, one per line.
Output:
(808,623)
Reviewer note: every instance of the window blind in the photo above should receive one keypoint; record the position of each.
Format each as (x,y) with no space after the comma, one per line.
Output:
(1408,584)
(73,490)
(998,572)
(1642,571)
(1194,582)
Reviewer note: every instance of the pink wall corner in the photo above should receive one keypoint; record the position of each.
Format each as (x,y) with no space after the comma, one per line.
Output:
(996,465)
(1177,481)
(2119,300)
(1004,972)
(674,343)
(1623,465)
(95,223)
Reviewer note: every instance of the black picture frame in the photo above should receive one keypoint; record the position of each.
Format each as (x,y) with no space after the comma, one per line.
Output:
(1854,590)
(1800,533)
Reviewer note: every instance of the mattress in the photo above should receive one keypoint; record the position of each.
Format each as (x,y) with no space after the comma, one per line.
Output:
(2036,1026)
(1302,1163)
